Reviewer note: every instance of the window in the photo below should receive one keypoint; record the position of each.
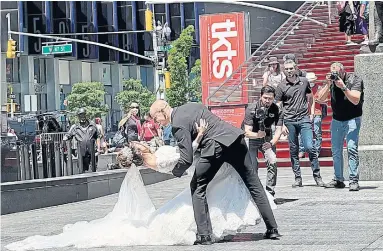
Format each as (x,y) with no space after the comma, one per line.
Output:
(106,78)
(86,72)
(175,9)
(147,77)
(125,72)
(189,10)
(39,73)
(64,72)
(12,72)
(176,27)
(124,15)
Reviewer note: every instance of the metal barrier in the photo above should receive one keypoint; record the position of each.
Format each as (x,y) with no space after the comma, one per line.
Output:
(49,156)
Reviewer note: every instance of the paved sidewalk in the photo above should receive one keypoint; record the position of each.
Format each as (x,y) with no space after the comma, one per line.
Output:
(310,218)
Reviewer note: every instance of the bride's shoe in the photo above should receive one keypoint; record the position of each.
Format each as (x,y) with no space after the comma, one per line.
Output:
(203,240)
(271,234)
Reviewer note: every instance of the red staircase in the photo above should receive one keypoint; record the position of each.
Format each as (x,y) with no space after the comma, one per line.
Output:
(328,46)
(315,47)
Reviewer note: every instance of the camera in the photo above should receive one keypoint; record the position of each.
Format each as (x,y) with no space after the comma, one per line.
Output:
(334,76)
(261,114)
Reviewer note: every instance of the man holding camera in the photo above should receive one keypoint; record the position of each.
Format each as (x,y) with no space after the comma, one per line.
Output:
(347,103)
(296,96)
(259,117)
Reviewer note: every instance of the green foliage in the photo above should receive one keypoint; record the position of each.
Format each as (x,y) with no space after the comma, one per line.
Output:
(182,90)
(195,85)
(89,95)
(134,92)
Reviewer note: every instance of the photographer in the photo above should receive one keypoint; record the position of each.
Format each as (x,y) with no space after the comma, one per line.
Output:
(296,97)
(259,118)
(347,102)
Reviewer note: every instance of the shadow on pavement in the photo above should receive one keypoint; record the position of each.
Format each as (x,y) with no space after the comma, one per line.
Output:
(242,237)
(280,201)
(367,187)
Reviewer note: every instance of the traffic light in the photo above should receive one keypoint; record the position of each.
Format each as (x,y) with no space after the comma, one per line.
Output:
(148,20)
(10,105)
(11,49)
(167,79)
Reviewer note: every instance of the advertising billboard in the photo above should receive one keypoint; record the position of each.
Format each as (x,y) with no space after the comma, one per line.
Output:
(223,50)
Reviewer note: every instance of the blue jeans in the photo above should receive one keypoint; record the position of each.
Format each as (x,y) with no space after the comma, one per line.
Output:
(302,127)
(348,130)
(317,142)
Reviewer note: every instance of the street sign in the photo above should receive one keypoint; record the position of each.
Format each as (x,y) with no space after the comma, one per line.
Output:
(149,53)
(12,96)
(164,47)
(57,49)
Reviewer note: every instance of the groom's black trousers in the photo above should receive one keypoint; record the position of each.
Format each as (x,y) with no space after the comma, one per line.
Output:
(237,155)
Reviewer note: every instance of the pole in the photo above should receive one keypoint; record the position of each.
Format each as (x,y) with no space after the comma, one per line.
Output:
(329,11)
(8,16)
(240,3)
(80,41)
(156,71)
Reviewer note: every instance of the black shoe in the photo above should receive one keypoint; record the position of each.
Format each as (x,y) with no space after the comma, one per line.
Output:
(335,184)
(272,234)
(203,240)
(320,182)
(354,186)
(297,183)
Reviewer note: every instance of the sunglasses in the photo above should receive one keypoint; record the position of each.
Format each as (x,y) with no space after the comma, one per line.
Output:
(132,107)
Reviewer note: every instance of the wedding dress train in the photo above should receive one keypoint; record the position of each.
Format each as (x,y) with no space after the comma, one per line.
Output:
(135,221)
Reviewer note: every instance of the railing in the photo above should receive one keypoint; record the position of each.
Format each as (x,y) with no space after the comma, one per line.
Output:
(263,52)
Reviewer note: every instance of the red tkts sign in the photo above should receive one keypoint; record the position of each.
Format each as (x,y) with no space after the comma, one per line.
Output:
(223,50)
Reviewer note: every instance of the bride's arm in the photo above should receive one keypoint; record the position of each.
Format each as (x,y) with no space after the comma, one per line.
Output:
(201,131)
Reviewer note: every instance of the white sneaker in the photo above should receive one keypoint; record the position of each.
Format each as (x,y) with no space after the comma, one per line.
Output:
(365,42)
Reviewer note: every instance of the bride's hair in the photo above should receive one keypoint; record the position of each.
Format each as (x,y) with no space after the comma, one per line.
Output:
(127,156)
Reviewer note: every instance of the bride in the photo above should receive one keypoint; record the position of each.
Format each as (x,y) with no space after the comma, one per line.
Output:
(134,219)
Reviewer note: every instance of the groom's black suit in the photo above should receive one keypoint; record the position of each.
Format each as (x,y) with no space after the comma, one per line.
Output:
(221,143)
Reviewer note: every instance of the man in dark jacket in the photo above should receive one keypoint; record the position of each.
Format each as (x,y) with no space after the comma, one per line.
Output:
(221,143)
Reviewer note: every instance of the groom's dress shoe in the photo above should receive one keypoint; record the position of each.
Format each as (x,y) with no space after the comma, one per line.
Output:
(203,240)
(272,234)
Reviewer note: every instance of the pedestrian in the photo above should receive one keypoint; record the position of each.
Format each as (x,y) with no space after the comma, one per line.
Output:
(294,95)
(150,129)
(347,96)
(273,75)
(222,143)
(320,112)
(130,125)
(259,117)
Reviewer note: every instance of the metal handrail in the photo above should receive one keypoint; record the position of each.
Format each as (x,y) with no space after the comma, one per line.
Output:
(258,49)
(270,51)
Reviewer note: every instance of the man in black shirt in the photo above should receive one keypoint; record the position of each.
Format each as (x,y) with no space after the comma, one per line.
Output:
(347,103)
(294,94)
(261,139)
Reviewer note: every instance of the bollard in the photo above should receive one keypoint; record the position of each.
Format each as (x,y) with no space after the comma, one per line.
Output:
(18,158)
(69,161)
(57,159)
(52,163)
(44,157)
(22,163)
(93,158)
(34,161)
(79,162)
(27,163)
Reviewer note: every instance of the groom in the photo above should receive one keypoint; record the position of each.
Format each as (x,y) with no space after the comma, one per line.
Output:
(221,143)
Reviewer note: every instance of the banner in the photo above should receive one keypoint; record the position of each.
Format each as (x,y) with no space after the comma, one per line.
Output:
(232,115)
(223,50)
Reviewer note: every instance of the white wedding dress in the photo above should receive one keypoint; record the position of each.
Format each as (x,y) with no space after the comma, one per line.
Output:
(135,221)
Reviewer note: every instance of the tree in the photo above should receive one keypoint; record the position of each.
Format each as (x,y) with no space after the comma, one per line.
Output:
(134,92)
(89,95)
(182,90)
(195,85)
